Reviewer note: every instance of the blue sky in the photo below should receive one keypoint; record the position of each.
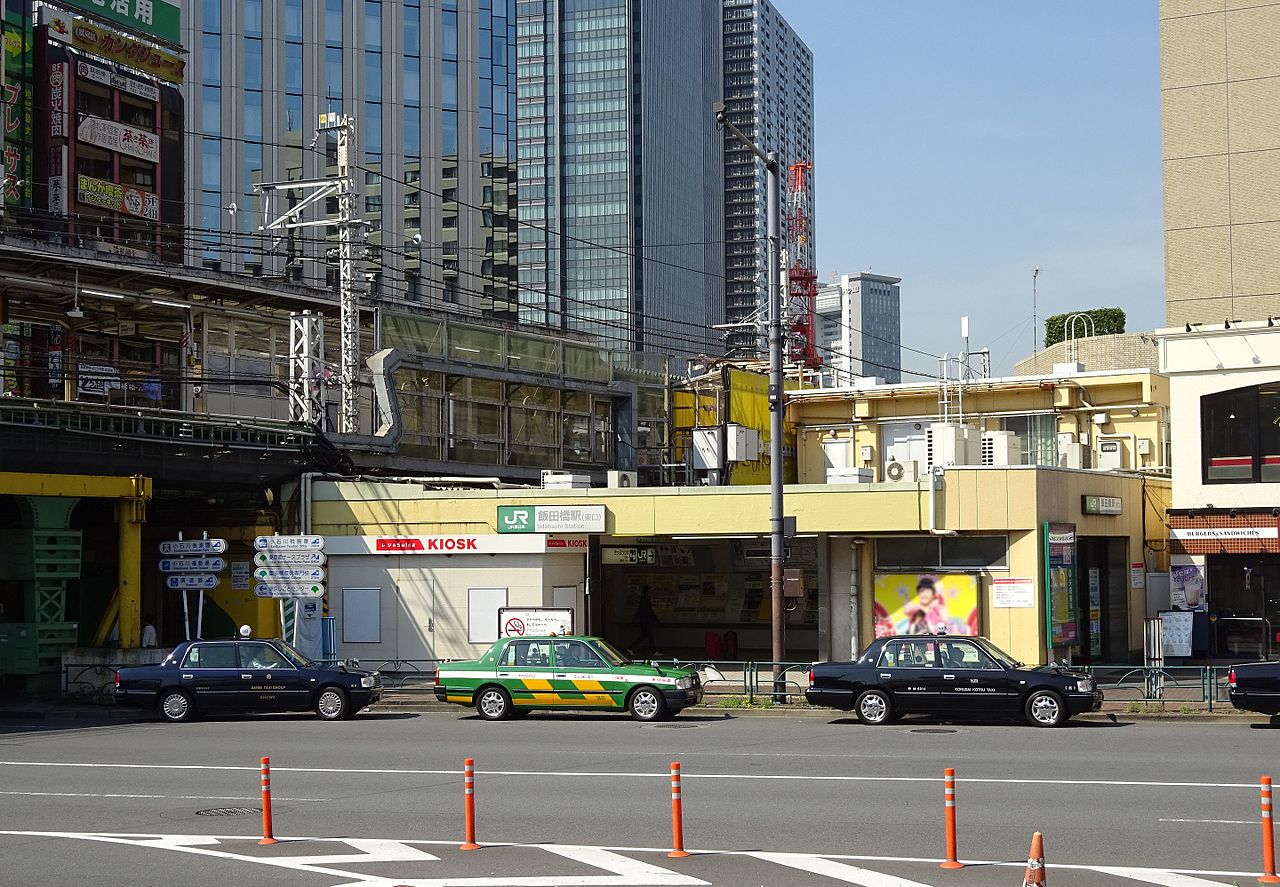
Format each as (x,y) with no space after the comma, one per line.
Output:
(961,143)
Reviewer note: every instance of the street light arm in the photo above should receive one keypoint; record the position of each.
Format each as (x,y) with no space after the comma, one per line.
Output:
(771,164)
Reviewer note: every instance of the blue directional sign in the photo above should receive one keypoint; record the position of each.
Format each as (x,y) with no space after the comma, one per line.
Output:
(289,543)
(192,565)
(183,581)
(194,546)
(289,558)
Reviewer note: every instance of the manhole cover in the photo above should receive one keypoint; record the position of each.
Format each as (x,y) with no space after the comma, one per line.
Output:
(678,726)
(932,730)
(229,811)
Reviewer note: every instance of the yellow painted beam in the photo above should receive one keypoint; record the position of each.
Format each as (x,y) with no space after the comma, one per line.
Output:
(129,587)
(88,486)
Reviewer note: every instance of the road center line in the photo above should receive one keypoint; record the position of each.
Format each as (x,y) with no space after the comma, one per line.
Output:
(1216,821)
(147,797)
(597,774)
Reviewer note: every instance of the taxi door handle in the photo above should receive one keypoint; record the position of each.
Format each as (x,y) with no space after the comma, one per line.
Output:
(247,677)
(885,675)
(562,674)
(948,677)
(188,677)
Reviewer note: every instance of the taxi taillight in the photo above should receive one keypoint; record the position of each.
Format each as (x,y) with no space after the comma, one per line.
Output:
(811,677)
(437,679)
(1231,678)
(117,677)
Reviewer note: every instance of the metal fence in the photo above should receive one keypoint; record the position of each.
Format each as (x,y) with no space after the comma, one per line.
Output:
(1176,685)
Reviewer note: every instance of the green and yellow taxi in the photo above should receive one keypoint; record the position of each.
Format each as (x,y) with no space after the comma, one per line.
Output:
(519,674)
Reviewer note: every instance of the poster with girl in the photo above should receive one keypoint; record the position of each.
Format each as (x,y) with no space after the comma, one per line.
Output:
(926,603)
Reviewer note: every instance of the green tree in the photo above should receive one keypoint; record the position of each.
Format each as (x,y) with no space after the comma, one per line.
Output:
(1106,322)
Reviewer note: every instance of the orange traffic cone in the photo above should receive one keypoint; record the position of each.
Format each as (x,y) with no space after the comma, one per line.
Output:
(1035,876)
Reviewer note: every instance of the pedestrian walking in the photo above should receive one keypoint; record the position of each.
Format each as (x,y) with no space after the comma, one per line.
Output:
(644,619)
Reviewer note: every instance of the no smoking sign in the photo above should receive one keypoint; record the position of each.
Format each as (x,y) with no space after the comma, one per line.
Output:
(514,627)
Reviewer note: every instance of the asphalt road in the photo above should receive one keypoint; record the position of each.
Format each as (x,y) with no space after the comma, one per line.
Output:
(103,804)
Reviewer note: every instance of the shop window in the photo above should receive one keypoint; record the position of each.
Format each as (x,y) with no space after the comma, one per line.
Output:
(1240,435)
(945,552)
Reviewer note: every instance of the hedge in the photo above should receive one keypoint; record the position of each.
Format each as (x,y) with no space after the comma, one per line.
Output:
(1106,322)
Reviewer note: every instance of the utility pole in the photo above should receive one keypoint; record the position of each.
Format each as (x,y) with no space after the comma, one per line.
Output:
(777,401)
(1035,320)
(317,191)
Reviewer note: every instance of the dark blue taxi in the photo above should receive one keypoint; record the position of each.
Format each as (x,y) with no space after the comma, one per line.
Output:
(245,674)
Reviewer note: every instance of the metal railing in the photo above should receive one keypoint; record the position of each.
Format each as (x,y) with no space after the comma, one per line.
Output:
(1171,684)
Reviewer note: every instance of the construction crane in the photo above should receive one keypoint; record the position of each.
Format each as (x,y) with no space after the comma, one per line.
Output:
(801,280)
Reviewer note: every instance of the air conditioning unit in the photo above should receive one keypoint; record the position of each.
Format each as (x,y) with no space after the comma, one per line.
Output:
(1001,448)
(562,480)
(896,471)
(849,475)
(952,444)
(623,479)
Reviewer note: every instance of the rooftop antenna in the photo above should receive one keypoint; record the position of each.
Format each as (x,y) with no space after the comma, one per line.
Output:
(1035,320)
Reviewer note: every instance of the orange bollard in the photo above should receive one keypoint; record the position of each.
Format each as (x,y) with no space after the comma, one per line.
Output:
(677,814)
(1268,837)
(949,794)
(267,836)
(469,803)
(1035,876)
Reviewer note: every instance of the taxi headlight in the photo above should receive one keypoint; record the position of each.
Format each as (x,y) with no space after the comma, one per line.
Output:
(1084,685)
(366,681)
(685,683)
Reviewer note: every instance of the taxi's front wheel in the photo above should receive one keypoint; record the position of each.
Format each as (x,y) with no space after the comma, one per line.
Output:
(647,704)
(493,704)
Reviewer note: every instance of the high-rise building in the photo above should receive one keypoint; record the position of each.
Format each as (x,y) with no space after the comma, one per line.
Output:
(620,171)
(430,87)
(858,325)
(768,95)
(1219,90)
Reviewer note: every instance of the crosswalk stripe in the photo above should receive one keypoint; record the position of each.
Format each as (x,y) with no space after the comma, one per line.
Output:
(635,871)
(828,868)
(1156,876)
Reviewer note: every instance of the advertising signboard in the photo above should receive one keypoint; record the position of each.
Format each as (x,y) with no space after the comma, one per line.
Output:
(117,137)
(58,125)
(926,603)
(117,198)
(159,19)
(534,621)
(106,44)
(1060,579)
(117,81)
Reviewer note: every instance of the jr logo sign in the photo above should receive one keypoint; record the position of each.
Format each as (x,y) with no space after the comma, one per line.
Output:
(515,519)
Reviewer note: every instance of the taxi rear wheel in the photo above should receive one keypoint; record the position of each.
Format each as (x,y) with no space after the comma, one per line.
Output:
(647,704)
(493,704)
(175,706)
(875,708)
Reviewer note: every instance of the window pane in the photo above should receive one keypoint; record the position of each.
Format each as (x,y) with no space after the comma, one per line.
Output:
(449,35)
(987,552)
(372,25)
(212,20)
(211,110)
(293,20)
(333,72)
(1229,435)
(449,133)
(333,22)
(253,63)
(252,17)
(373,76)
(449,84)
(910,552)
(293,67)
(211,67)
(1269,432)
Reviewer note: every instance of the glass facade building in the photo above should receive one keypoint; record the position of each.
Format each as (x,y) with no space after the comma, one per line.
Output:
(620,171)
(431,87)
(768,94)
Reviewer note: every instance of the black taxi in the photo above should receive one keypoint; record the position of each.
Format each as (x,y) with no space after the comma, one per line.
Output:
(950,676)
(245,674)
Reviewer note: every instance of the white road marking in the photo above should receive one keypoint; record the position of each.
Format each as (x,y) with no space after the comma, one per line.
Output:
(839,871)
(1216,821)
(190,843)
(371,850)
(596,774)
(157,797)
(1164,879)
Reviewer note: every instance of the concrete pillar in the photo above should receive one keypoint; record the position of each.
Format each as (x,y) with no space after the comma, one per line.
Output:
(130,514)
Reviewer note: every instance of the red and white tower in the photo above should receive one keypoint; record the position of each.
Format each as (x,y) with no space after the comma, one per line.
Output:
(802,281)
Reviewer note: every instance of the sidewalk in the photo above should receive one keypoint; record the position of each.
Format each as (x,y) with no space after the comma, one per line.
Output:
(425,703)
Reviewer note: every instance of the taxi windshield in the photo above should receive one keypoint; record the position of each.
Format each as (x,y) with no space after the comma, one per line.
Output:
(611,656)
(293,655)
(996,653)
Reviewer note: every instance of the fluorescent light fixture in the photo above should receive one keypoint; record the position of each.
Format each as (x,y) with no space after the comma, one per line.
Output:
(169,304)
(76,314)
(103,293)
(464,348)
